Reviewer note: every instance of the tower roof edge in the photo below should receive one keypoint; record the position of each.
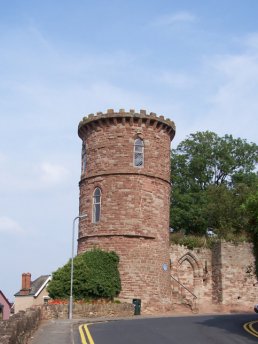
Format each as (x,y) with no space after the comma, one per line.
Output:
(111,114)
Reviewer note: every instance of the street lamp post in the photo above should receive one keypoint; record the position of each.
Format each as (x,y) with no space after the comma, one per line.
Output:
(71,287)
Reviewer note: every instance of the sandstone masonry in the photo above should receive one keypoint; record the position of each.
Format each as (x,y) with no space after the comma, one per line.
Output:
(218,279)
(125,191)
(85,311)
(19,327)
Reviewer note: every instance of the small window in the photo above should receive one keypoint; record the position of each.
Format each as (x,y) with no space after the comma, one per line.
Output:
(96,205)
(138,152)
(1,311)
(84,161)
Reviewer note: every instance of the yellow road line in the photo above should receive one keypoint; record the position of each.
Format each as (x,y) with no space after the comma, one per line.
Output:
(83,339)
(249,328)
(89,339)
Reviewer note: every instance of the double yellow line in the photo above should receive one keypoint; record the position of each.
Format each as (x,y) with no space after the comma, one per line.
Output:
(85,334)
(249,328)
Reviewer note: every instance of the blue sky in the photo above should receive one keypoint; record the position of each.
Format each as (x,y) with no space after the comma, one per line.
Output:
(195,62)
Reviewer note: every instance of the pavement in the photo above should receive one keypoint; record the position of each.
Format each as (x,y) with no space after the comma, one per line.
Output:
(65,331)
(54,332)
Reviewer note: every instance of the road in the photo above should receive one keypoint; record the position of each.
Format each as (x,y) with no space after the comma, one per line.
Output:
(214,329)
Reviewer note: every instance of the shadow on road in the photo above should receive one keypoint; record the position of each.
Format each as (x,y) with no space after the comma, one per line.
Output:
(231,324)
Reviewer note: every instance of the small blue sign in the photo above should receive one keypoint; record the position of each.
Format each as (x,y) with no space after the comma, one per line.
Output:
(164,267)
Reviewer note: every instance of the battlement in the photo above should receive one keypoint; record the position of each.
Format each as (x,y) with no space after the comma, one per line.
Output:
(129,117)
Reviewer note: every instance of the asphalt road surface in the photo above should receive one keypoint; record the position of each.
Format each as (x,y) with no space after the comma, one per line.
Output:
(213,329)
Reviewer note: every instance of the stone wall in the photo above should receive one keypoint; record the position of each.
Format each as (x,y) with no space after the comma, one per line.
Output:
(191,269)
(222,277)
(238,281)
(110,310)
(20,326)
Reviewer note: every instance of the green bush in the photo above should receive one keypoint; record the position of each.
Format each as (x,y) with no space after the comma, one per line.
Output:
(95,275)
(191,241)
(195,241)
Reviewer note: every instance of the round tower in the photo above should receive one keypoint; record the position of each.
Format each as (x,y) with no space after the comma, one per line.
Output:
(125,191)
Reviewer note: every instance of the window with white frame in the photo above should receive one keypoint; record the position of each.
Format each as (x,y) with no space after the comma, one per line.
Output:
(96,205)
(138,152)
(84,161)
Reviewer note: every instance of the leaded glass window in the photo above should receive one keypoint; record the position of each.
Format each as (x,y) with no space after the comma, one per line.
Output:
(138,153)
(96,205)
(84,160)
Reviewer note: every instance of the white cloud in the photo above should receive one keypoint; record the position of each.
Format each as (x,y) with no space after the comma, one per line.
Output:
(251,41)
(240,83)
(224,96)
(32,176)
(52,173)
(9,225)
(2,157)
(177,80)
(242,68)
(175,18)
(233,105)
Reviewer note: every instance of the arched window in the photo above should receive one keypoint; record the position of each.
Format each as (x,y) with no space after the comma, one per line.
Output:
(138,152)
(84,161)
(96,205)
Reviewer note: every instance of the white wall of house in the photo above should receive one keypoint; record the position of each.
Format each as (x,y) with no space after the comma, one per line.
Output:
(21,303)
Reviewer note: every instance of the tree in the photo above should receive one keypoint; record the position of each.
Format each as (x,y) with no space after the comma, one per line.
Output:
(208,159)
(211,178)
(251,207)
(96,275)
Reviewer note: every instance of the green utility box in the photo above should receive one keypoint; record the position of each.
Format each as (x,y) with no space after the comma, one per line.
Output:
(137,306)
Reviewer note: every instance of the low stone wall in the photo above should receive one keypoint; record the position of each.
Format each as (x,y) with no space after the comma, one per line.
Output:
(19,327)
(88,311)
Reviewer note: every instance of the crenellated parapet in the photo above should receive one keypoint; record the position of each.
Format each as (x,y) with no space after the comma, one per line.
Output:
(142,118)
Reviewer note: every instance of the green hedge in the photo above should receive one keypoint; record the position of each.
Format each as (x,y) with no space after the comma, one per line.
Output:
(96,275)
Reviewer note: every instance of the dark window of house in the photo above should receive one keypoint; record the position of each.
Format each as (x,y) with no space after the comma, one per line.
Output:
(1,311)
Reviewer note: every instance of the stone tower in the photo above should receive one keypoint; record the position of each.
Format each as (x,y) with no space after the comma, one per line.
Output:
(125,191)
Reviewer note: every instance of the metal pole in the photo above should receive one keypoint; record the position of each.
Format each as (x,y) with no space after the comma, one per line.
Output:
(71,286)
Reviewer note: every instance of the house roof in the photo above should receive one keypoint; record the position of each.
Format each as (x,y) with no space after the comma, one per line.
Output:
(36,286)
(5,298)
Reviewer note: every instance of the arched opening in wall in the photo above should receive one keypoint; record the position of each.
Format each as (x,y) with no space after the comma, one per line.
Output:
(185,275)
(188,274)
